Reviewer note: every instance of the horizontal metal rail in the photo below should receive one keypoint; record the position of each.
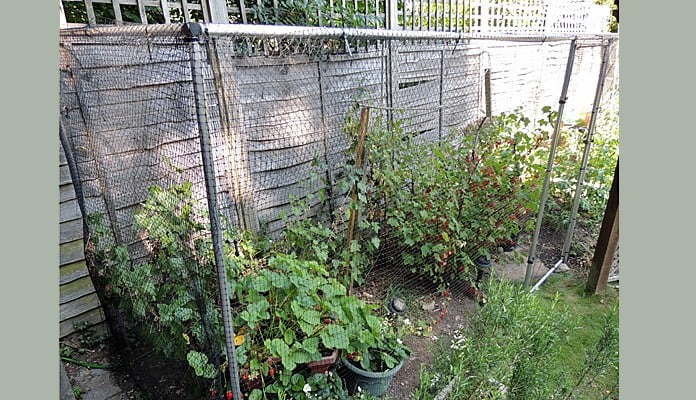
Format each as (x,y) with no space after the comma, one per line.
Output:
(268,31)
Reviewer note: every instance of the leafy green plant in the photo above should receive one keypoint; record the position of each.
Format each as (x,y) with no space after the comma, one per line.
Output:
(171,298)
(450,201)
(292,312)
(78,392)
(307,236)
(549,344)
(87,336)
(377,348)
(317,13)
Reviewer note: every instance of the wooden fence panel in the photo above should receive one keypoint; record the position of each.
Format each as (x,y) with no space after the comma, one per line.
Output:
(77,298)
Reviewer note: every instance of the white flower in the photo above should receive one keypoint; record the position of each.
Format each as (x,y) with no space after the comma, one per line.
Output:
(407,321)
(307,388)
(399,341)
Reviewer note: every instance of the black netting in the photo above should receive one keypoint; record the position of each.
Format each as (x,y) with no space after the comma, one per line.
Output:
(392,170)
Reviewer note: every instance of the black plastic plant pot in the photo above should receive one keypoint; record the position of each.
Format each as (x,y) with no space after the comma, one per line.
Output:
(397,306)
(374,383)
(482,262)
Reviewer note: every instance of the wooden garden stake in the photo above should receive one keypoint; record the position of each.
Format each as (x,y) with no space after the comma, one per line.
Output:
(362,132)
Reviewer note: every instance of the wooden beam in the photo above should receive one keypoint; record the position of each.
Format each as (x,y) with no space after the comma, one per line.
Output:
(362,133)
(608,240)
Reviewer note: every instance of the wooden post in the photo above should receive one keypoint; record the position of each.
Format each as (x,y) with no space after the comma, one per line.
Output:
(362,132)
(63,20)
(608,240)
(216,11)
(392,15)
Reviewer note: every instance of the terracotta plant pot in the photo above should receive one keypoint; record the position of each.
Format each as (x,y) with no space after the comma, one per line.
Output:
(323,365)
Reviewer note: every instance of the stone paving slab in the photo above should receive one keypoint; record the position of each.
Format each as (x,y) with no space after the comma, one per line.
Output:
(512,266)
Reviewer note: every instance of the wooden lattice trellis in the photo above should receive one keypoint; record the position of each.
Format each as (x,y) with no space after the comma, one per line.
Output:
(516,17)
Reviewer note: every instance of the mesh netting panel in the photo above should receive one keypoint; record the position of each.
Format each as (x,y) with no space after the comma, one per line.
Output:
(441,177)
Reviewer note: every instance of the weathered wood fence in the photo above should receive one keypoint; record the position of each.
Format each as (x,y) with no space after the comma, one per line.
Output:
(127,108)
(78,298)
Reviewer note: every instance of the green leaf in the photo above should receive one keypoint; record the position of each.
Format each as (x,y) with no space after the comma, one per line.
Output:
(334,337)
(426,250)
(354,246)
(276,279)
(375,242)
(362,186)
(183,314)
(445,236)
(277,347)
(289,336)
(199,362)
(261,284)
(311,345)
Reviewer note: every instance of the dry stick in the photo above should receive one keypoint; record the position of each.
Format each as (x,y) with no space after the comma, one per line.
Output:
(362,132)
(445,393)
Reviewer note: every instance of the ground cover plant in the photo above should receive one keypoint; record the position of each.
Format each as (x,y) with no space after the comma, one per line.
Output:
(556,344)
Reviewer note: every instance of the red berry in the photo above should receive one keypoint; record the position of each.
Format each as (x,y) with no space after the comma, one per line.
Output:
(327,321)
(229,395)
(271,372)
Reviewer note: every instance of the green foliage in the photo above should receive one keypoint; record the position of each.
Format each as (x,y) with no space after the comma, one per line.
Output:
(87,336)
(78,392)
(76,12)
(291,311)
(530,346)
(604,153)
(316,13)
(448,202)
(171,297)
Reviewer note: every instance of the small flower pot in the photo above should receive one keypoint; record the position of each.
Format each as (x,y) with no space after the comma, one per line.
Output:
(374,383)
(323,365)
(482,262)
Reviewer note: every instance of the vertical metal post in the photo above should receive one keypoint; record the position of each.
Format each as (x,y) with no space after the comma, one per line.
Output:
(325,141)
(389,82)
(440,102)
(193,32)
(487,85)
(545,191)
(586,152)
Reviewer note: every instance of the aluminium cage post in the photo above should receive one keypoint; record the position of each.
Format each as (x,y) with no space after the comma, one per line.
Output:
(192,32)
(531,258)
(586,152)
